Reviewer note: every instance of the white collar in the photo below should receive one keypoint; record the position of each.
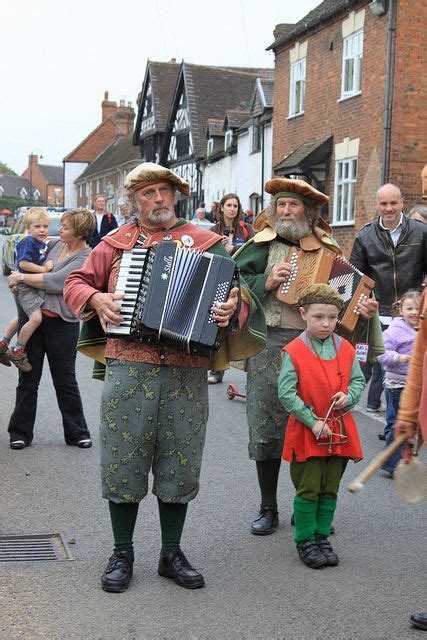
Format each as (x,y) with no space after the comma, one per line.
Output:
(396,227)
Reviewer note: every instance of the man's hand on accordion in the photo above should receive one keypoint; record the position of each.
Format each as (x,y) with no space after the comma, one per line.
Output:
(222,314)
(277,275)
(368,308)
(105,306)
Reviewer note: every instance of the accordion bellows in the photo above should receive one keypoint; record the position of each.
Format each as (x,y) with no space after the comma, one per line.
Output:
(168,293)
(311,267)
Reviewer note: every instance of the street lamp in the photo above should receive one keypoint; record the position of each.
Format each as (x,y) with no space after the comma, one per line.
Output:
(31,169)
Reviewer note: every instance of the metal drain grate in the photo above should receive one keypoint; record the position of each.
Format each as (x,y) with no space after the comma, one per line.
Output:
(33,548)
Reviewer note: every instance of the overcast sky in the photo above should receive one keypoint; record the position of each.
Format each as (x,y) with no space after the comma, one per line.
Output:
(58,58)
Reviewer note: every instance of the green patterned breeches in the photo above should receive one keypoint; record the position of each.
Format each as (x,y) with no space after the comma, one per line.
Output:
(266,416)
(152,418)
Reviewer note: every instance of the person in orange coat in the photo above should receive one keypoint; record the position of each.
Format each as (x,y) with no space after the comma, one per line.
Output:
(413,407)
(319,368)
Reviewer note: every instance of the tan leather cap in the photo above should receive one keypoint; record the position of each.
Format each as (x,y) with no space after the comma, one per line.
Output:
(307,193)
(148,173)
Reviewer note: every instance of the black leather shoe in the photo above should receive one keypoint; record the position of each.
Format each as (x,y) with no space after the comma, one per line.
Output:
(174,565)
(17,444)
(311,555)
(325,547)
(266,523)
(381,436)
(331,533)
(118,572)
(419,620)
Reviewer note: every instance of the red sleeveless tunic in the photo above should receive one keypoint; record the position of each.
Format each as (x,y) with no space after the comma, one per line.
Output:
(316,391)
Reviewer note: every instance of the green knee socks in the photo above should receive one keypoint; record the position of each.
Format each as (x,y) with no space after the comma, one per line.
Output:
(325,515)
(305,519)
(123,517)
(172,518)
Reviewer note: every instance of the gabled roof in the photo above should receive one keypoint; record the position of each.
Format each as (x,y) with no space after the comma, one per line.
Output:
(12,185)
(215,127)
(263,96)
(94,143)
(120,152)
(210,91)
(52,174)
(320,14)
(162,77)
(235,119)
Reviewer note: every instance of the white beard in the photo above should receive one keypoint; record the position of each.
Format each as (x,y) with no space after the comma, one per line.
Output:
(293,230)
(163,215)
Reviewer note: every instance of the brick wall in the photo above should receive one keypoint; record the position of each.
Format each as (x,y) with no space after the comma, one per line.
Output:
(408,153)
(360,116)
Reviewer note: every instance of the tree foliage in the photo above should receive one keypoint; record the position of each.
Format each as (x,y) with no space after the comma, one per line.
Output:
(6,170)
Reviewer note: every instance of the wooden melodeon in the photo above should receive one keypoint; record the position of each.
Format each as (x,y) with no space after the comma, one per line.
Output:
(312,267)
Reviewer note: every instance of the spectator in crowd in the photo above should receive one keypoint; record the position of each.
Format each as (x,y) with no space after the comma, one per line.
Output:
(392,250)
(234,232)
(56,337)
(418,213)
(398,345)
(105,221)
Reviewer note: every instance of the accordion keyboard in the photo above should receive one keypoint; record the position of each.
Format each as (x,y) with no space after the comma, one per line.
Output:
(128,283)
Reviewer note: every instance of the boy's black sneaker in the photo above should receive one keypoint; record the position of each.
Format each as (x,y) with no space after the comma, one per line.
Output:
(311,555)
(326,548)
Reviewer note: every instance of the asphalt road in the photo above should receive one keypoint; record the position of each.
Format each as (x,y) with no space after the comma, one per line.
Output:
(256,587)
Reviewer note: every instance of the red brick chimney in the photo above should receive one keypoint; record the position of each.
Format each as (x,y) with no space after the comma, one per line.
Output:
(109,108)
(124,118)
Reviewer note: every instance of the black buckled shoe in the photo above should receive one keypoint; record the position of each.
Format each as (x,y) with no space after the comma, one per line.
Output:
(118,572)
(266,523)
(174,565)
(311,555)
(419,620)
(326,548)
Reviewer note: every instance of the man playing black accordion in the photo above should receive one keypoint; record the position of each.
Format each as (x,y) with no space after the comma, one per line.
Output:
(154,406)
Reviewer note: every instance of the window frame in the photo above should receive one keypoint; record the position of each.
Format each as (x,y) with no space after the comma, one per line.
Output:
(357,58)
(298,64)
(228,140)
(348,185)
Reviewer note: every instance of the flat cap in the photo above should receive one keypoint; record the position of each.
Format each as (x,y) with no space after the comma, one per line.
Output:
(300,189)
(148,173)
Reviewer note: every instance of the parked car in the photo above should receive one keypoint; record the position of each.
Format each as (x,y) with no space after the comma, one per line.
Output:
(12,236)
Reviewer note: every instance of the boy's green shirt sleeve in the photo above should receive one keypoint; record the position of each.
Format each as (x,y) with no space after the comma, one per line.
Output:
(287,388)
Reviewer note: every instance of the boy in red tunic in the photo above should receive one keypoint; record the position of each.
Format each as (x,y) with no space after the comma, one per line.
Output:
(319,368)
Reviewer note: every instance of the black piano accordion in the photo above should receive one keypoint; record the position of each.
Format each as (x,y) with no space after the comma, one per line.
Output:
(168,292)
(311,267)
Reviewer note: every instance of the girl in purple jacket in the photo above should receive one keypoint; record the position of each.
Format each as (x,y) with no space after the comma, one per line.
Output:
(398,344)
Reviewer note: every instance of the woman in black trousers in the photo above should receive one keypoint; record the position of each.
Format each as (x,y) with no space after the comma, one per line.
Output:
(56,338)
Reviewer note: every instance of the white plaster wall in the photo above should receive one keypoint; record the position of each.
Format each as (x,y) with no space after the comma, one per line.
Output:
(219,178)
(249,167)
(241,172)
(72,170)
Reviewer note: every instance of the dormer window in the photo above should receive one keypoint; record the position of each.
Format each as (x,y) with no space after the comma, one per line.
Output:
(23,193)
(210,147)
(255,138)
(228,141)
(1,192)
